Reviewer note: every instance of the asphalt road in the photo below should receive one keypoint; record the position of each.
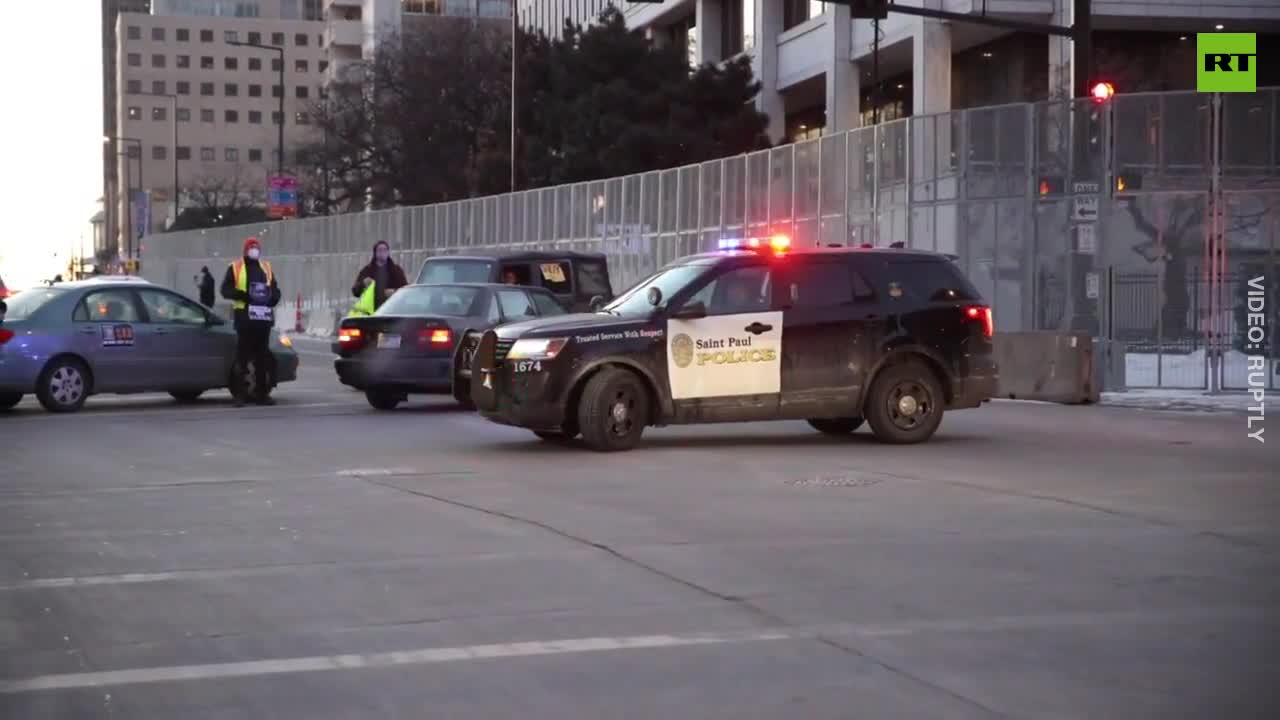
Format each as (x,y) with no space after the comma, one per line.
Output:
(320,559)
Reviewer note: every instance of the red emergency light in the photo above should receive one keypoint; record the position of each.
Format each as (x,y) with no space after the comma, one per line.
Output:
(1103,92)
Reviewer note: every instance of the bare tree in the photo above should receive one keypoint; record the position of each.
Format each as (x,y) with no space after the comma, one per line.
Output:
(224,199)
(412,125)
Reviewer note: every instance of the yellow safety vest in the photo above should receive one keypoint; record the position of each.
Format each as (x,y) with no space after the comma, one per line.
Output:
(242,279)
(365,305)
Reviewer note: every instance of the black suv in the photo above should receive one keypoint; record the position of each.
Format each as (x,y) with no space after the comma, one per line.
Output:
(832,336)
(575,279)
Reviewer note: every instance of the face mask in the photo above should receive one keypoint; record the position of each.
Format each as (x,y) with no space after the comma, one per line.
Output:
(254,253)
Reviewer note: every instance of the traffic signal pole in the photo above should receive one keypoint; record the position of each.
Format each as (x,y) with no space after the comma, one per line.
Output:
(1080,30)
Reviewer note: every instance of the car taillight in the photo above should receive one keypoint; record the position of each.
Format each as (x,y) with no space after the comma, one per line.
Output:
(349,337)
(988,320)
(435,337)
(5,336)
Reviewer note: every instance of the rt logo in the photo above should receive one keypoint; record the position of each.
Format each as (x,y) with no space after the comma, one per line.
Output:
(1227,62)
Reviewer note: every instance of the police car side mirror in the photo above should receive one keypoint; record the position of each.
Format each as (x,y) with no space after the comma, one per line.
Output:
(597,302)
(691,311)
(655,296)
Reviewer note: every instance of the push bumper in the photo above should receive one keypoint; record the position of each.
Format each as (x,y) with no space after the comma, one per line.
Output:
(529,399)
(424,375)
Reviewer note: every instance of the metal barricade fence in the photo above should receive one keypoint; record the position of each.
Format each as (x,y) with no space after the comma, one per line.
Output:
(1067,215)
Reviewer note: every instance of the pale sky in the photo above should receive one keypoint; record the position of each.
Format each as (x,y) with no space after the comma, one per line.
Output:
(52,126)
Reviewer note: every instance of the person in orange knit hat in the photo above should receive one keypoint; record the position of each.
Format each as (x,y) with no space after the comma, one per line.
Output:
(251,287)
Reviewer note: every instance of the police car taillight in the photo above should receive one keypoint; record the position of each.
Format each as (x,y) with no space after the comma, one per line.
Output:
(5,336)
(349,336)
(983,313)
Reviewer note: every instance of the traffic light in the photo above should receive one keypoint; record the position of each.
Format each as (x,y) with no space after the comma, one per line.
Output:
(1050,185)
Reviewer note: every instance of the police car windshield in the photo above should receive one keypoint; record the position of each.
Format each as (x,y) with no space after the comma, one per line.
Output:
(670,281)
(25,304)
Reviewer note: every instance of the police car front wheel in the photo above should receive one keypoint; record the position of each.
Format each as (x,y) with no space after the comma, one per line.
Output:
(613,410)
(905,405)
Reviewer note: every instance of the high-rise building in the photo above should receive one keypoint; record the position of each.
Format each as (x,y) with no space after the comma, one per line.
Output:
(110,9)
(823,71)
(195,107)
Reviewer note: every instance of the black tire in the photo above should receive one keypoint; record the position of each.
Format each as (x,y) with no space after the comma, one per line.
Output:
(382,399)
(836,426)
(63,386)
(186,396)
(462,393)
(604,428)
(897,421)
(9,400)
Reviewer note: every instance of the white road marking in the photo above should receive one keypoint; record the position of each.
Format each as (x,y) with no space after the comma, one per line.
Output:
(376,472)
(423,656)
(255,668)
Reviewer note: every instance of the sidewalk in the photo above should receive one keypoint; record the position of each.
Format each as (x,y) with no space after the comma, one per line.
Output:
(1183,400)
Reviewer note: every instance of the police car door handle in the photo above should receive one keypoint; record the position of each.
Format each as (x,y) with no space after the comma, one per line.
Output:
(757,328)
(91,330)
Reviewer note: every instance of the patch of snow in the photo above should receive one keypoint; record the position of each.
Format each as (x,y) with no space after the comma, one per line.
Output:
(1178,399)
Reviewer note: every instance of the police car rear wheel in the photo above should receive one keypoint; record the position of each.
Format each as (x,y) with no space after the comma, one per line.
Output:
(836,426)
(905,406)
(63,386)
(383,399)
(9,400)
(613,410)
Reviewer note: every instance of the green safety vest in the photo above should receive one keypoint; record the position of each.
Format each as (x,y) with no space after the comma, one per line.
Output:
(365,305)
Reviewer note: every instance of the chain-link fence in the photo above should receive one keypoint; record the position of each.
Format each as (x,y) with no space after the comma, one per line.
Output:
(1067,215)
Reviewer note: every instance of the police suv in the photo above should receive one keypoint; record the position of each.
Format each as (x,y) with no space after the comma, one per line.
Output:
(751,332)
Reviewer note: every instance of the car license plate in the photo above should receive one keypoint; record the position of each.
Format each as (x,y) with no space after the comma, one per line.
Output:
(390,342)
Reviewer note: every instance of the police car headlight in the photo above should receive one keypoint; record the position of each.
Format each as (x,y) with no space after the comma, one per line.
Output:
(537,348)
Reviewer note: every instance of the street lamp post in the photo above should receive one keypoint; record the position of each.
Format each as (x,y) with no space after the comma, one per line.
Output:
(129,187)
(515,52)
(174,100)
(280,137)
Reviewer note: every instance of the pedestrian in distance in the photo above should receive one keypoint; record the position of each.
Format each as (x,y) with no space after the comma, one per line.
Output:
(204,281)
(382,273)
(251,287)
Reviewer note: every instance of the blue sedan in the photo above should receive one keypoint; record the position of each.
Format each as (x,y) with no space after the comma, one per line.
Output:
(67,341)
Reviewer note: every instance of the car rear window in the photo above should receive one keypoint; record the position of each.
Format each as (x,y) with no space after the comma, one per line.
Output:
(455,271)
(929,280)
(593,278)
(546,304)
(431,300)
(27,303)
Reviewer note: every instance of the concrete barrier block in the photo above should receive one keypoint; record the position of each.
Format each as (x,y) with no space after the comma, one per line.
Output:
(1048,366)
